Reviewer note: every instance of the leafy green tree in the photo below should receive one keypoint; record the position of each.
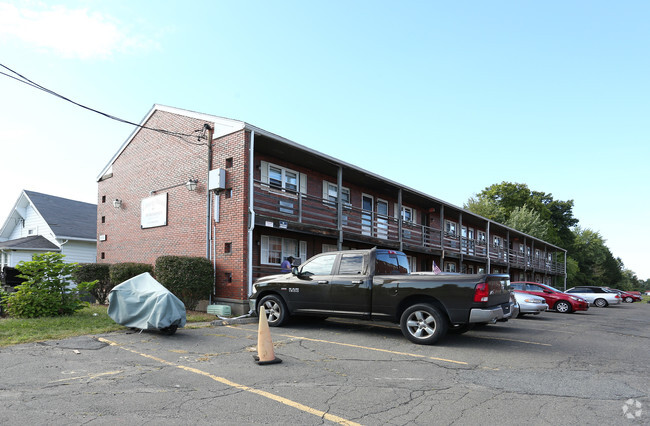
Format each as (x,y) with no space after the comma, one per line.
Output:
(528,221)
(597,265)
(46,290)
(499,201)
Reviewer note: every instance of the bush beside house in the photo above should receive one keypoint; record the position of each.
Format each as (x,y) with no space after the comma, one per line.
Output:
(189,278)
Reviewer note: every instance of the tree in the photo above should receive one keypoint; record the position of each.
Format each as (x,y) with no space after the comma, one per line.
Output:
(528,221)
(597,265)
(46,290)
(498,202)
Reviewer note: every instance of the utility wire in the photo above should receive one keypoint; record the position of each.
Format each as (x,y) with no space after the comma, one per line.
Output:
(29,82)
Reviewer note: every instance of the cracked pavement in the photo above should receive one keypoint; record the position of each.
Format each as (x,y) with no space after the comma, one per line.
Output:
(547,369)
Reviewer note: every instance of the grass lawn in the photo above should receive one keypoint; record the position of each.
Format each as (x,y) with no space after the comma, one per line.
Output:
(90,320)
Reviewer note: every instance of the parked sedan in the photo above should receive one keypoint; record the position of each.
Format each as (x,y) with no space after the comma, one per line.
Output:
(627,296)
(555,299)
(597,296)
(529,304)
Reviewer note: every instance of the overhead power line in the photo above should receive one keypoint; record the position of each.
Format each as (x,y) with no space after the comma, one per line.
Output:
(21,78)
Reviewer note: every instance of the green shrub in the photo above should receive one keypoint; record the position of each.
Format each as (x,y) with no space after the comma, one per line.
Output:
(46,290)
(189,278)
(99,272)
(120,272)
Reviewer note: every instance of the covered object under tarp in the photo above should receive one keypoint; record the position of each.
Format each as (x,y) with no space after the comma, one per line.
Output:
(142,302)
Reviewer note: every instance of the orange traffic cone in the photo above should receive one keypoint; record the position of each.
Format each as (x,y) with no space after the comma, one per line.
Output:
(265,354)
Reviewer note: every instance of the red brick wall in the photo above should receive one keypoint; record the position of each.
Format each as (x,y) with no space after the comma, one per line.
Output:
(150,162)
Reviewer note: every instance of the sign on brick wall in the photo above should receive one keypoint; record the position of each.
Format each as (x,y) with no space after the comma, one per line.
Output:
(153,211)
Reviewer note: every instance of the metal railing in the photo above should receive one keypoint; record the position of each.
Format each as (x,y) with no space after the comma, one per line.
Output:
(306,209)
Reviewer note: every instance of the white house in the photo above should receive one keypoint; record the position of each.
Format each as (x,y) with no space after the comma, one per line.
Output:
(42,223)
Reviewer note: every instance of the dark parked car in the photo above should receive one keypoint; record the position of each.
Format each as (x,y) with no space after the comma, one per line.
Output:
(556,299)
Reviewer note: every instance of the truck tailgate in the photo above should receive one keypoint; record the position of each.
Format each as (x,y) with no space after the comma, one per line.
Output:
(499,289)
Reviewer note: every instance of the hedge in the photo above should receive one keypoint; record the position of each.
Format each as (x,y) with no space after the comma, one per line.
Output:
(189,278)
(120,272)
(95,271)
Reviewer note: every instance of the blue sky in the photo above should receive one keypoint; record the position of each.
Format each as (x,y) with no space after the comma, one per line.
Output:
(447,98)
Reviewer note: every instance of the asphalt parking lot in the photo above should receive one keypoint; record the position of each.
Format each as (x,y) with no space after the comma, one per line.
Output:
(585,368)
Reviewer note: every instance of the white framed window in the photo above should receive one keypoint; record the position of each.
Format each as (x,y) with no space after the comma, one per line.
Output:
(277,249)
(332,247)
(282,178)
(481,237)
(331,194)
(497,241)
(451,228)
(412,263)
(408,215)
(450,267)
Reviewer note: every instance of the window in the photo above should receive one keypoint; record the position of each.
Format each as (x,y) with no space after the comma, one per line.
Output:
(279,177)
(451,228)
(228,163)
(321,265)
(351,264)
(497,241)
(412,263)
(331,193)
(407,215)
(277,249)
(391,263)
(227,248)
(481,237)
(332,247)
(450,267)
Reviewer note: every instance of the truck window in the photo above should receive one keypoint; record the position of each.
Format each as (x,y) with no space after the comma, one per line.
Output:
(321,265)
(351,264)
(391,263)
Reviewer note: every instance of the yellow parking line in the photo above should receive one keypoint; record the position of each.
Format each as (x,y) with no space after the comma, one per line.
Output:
(282,400)
(366,347)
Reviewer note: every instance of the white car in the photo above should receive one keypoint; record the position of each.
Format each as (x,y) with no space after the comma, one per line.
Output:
(597,296)
(529,304)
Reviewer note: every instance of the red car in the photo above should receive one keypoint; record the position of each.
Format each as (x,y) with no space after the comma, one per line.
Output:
(555,299)
(627,296)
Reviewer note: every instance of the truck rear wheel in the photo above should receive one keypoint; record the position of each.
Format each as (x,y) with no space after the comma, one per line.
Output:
(423,324)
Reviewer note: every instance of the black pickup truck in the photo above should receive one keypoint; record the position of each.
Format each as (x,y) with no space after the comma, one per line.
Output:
(376,284)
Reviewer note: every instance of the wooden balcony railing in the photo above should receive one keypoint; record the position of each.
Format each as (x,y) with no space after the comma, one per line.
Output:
(306,209)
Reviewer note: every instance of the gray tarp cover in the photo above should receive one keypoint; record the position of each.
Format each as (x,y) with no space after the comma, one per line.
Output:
(142,302)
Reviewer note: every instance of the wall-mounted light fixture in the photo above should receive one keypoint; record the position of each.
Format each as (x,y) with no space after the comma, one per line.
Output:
(117,203)
(190,185)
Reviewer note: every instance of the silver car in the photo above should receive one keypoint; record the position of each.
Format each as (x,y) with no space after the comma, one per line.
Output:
(597,296)
(529,304)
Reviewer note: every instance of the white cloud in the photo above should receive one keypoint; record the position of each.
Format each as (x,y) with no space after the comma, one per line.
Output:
(69,32)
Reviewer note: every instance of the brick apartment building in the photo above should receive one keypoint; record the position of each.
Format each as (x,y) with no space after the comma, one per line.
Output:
(253,198)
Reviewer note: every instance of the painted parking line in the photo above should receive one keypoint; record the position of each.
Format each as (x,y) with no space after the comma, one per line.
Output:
(277,398)
(369,348)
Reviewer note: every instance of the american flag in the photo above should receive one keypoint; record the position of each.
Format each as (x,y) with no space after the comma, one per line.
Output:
(436,270)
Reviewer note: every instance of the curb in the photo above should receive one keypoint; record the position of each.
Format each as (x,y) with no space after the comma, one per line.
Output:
(248,320)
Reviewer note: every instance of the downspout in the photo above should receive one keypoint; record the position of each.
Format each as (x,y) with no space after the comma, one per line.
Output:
(339,208)
(208,227)
(487,245)
(251,213)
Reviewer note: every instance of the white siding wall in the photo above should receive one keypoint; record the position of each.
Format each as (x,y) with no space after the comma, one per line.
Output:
(79,252)
(19,256)
(33,221)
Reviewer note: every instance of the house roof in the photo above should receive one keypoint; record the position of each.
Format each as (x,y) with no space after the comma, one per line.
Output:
(66,218)
(32,243)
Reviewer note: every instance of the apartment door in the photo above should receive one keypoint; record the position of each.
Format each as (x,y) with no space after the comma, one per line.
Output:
(367,208)
(470,241)
(382,219)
